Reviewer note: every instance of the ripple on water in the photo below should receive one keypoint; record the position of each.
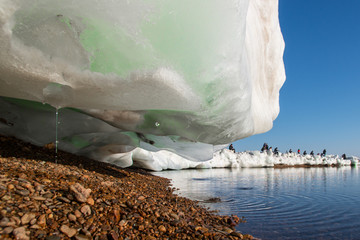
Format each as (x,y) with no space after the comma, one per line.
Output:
(315,213)
(316,203)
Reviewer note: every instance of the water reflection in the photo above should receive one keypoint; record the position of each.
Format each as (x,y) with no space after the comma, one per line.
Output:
(289,203)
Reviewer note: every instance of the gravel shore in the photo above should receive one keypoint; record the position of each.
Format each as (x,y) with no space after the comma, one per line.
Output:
(78,198)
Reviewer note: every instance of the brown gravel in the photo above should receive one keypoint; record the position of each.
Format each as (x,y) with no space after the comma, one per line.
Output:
(77,198)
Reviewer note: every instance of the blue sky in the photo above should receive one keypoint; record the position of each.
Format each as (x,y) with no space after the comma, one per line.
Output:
(320,100)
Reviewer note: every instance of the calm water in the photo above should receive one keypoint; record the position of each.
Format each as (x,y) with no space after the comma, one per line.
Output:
(290,203)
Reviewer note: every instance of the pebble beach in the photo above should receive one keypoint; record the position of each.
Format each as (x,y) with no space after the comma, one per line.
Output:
(43,196)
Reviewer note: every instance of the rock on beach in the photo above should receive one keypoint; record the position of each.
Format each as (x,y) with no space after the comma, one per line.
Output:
(81,194)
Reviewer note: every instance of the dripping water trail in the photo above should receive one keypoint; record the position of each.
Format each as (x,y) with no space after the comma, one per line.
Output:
(56,133)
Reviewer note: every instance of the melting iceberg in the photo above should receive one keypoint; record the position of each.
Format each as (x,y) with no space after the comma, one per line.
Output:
(184,76)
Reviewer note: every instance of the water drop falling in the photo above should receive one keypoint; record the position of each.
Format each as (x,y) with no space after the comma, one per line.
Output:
(56,133)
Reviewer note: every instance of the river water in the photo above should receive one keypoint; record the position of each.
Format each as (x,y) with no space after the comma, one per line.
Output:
(288,203)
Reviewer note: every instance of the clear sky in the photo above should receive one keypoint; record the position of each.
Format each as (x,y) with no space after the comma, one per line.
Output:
(320,100)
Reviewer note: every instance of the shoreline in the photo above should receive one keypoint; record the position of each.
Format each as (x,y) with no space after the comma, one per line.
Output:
(79,198)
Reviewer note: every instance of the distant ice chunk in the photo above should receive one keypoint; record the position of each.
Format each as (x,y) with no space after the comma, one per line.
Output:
(165,160)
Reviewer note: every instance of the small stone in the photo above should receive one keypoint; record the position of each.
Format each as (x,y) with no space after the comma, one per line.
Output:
(39,198)
(70,232)
(40,234)
(10,187)
(24,205)
(197,228)
(90,201)
(72,217)
(50,146)
(33,221)
(107,183)
(70,197)
(81,194)
(53,237)
(28,186)
(162,228)
(237,234)
(86,232)
(247,236)
(22,177)
(35,226)
(173,215)
(27,218)
(86,210)
(82,237)
(92,228)
(16,220)
(117,215)
(39,188)
(77,213)
(141,198)
(23,192)
(4,222)
(236,219)
(81,220)
(122,223)
(6,198)
(7,230)
(20,233)
(64,199)
(47,195)
(228,230)
(46,181)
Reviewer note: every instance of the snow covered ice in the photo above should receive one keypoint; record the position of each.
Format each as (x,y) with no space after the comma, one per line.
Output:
(149,76)
(164,160)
